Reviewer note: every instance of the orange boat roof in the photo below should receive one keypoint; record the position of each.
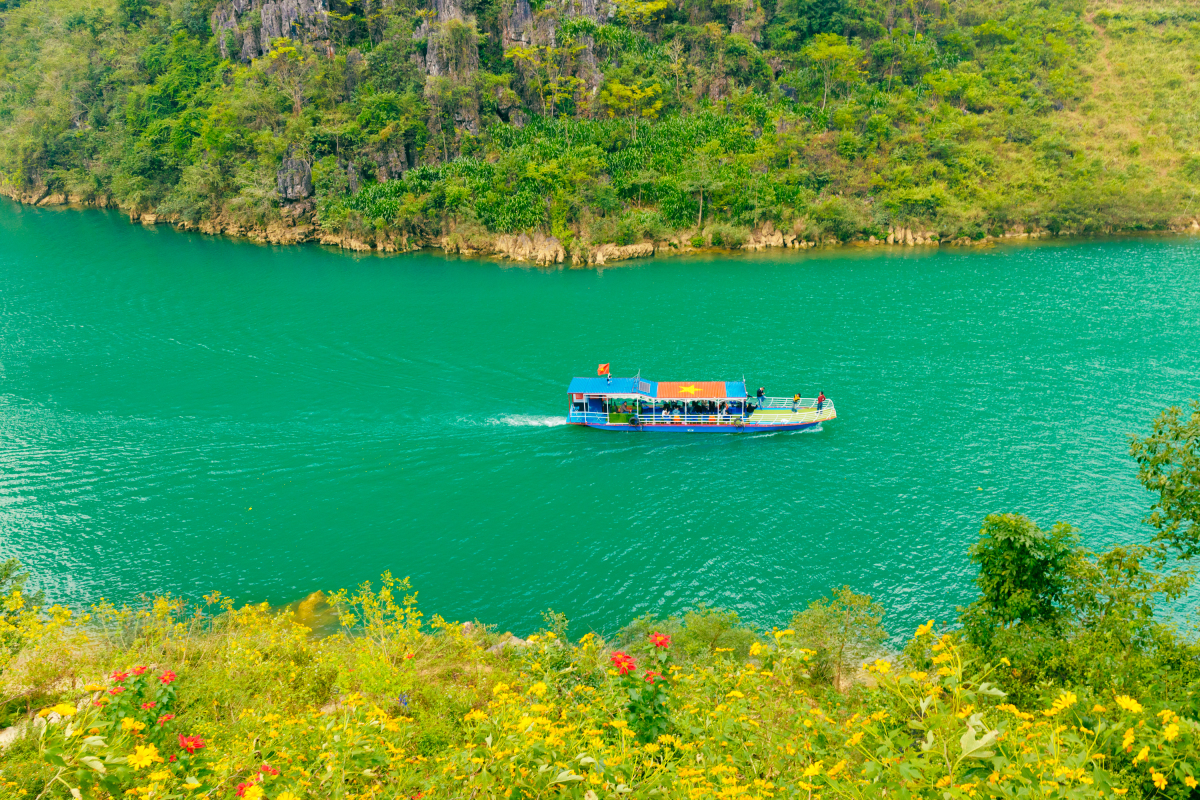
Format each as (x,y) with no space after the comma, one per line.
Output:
(686,390)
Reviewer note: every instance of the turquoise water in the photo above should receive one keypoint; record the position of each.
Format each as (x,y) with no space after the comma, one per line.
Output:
(183,413)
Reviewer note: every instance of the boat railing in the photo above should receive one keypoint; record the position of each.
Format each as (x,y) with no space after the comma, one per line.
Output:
(805,414)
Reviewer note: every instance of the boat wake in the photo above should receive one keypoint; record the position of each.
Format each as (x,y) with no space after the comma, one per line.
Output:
(526,421)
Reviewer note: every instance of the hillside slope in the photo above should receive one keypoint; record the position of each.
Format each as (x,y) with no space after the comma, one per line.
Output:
(606,128)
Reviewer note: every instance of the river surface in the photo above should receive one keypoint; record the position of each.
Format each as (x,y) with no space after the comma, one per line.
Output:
(181,413)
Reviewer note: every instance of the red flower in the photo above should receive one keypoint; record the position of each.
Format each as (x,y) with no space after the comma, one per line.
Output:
(623,663)
(165,718)
(117,677)
(268,769)
(116,690)
(139,670)
(242,787)
(97,703)
(172,758)
(410,655)
(660,640)
(651,675)
(167,677)
(191,743)
(148,706)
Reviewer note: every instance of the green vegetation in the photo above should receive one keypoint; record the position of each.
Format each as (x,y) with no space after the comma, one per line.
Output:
(1061,681)
(696,122)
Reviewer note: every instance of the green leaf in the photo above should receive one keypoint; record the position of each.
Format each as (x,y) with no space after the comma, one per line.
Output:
(566,776)
(973,748)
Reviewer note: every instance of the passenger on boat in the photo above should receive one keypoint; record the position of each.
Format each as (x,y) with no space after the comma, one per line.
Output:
(759,398)
(820,400)
(796,403)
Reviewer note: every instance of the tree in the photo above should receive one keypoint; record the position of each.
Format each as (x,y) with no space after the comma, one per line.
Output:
(835,59)
(631,101)
(843,629)
(1169,464)
(291,68)
(702,176)
(1024,573)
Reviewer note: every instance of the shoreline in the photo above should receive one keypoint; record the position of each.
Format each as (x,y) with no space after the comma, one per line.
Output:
(540,249)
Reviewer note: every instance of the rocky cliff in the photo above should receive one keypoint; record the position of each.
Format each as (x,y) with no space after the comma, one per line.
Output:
(244,29)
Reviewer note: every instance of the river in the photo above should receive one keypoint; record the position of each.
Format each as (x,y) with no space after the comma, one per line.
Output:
(181,413)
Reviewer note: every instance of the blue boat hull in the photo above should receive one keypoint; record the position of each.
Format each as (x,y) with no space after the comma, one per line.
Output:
(697,428)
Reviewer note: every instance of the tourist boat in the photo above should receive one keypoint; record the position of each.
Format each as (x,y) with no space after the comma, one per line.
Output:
(636,404)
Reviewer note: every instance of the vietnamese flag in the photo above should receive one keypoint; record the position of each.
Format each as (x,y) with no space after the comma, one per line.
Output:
(602,369)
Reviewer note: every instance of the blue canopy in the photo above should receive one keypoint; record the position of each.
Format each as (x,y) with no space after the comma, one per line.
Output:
(617,386)
(734,390)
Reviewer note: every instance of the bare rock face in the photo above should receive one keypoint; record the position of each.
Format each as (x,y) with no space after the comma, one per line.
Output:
(293,181)
(516,28)
(237,29)
(540,249)
(602,254)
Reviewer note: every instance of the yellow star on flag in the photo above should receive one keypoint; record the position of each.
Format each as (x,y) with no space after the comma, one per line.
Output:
(687,389)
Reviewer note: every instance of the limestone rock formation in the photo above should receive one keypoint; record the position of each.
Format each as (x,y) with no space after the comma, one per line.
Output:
(242,33)
(293,181)
(540,249)
(603,254)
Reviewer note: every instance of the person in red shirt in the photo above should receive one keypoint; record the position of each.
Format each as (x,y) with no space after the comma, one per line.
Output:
(820,400)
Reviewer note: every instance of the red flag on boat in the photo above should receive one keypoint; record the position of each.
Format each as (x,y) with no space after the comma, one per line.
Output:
(602,369)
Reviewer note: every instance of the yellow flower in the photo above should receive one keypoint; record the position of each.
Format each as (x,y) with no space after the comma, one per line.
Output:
(1127,742)
(946,671)
(1061,703)
(1160,780)
(735,693)
(755,649)
(652,747)
(942,658)
(1098,709)
(160,775)
(1171,732)
(1129,704)
(922,630)
(63,710)
(500,688)
(254,792)
(144,756)
(836,768)
(1191,782)
(475,715)
(94,687)
(881,666)
(918,676)
(538,689)
(287,796)
(131,724)
(813,769)
(1143,755)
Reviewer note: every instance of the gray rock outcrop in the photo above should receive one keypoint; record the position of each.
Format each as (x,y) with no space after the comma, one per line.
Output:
(293,180)
(244,34)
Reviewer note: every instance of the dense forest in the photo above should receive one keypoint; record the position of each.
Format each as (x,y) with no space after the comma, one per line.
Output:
(680,123)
